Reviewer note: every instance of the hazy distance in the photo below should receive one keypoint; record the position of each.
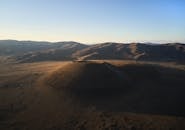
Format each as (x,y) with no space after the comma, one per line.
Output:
(94,21)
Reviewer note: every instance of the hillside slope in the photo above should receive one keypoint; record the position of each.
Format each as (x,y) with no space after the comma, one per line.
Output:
(134,51)
(133,87)
(30,51)
(47,96)
(19,48)
(63,52)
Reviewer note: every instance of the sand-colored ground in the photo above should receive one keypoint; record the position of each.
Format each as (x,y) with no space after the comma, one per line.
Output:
(30,100)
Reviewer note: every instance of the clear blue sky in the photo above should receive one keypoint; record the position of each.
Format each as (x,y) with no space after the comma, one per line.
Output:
(93,21)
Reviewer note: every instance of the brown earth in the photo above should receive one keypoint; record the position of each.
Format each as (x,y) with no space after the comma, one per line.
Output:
(115,95)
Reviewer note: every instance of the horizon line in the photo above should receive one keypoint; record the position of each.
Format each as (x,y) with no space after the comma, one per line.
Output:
(152,42)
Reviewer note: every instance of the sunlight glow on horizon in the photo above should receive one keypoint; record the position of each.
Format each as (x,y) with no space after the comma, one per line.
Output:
(95,21)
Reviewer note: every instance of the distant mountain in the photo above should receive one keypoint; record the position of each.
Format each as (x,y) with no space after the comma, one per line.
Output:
(31,51)
(13,47)
(134,51)
(63,52)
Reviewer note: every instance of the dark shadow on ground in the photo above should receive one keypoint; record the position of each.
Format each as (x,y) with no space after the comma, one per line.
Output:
(150,89)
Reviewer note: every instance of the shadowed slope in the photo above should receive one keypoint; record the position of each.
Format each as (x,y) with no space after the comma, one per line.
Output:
(134,51)
(88,79)
(31,51)
(134,88)
(28,102)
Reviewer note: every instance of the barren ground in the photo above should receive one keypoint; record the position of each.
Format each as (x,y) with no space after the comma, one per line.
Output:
(28,102)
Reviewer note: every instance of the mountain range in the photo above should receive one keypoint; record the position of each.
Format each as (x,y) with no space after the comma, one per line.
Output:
(32,51)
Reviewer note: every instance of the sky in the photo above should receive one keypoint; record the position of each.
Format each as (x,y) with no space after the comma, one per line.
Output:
(93,21)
